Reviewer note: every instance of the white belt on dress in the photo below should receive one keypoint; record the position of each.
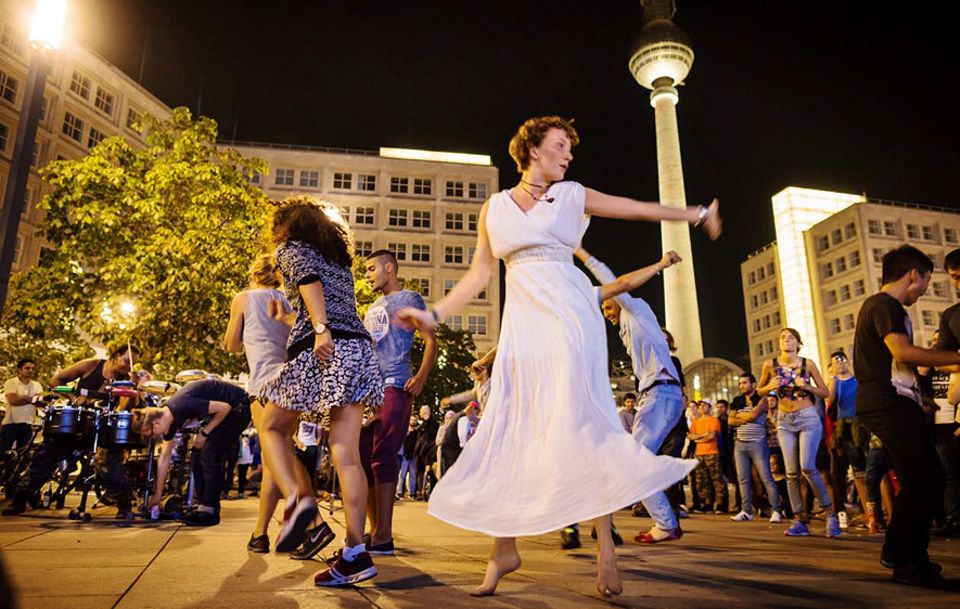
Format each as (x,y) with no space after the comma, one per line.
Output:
(540,253)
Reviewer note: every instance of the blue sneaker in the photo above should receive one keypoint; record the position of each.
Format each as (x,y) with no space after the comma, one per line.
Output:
(833,526)
(798,529)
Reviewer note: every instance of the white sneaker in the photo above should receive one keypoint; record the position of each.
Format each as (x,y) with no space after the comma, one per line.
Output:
(742,517)
(776,517)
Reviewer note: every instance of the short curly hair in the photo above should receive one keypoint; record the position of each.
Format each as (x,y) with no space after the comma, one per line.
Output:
(531,133)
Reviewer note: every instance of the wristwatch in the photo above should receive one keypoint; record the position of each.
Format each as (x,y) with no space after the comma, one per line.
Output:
(320,328)
(203,433)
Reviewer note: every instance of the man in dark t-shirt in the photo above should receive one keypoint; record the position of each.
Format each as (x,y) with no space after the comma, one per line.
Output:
(223,411)
(888,404)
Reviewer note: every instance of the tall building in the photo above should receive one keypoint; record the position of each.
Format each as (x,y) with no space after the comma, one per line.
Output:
(661,59)
(421,205)
(838,256)
(86,100)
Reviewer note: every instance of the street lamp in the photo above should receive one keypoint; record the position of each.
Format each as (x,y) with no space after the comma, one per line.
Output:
(48,21)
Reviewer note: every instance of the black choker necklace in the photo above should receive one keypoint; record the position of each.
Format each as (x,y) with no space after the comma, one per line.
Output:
(534,185)
(542,197)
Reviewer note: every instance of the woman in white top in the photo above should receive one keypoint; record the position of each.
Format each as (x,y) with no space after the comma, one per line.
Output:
(253,330)
(550,390)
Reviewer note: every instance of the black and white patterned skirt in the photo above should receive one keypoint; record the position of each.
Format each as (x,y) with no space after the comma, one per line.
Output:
(306,383)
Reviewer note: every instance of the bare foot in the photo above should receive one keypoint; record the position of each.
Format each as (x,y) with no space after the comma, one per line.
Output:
(608,580)
(499,565)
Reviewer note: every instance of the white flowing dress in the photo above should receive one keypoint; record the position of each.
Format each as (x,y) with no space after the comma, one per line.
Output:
(549,450)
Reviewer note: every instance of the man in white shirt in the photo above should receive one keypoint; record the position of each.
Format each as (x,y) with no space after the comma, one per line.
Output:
(21,394)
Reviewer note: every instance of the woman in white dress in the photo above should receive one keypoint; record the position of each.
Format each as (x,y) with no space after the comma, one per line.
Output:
(549,449)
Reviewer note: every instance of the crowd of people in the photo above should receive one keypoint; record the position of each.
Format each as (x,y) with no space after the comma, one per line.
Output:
(332,395)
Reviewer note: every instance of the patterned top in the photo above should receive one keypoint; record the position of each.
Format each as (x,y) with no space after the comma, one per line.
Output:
(301,264)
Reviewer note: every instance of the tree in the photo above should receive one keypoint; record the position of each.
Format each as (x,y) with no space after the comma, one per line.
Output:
(172,227)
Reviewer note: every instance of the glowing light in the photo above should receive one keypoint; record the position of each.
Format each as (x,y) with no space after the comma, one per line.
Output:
(658,60)
(48,22)
(664,94)
(795,210)
(127,308)
(435,156)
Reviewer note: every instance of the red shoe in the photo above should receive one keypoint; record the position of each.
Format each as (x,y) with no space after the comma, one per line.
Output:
(674,535)
(343,573)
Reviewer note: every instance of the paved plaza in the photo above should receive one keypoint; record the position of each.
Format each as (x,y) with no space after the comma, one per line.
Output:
(57,563)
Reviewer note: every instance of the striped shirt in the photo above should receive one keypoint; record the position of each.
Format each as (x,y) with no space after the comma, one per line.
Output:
(755,430)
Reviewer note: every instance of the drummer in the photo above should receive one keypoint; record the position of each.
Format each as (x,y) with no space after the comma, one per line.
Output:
(224,410)
(92,376)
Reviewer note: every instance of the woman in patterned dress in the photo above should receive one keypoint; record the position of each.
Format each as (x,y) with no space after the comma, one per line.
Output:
(330,368)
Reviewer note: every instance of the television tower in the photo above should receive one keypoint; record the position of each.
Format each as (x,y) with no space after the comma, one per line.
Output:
(660,60)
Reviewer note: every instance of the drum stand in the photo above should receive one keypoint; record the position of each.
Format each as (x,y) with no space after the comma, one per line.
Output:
(149,482)
(88,473)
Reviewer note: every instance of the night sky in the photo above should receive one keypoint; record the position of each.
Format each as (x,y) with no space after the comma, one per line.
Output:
(852,96)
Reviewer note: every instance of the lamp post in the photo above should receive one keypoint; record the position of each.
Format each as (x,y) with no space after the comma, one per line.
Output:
(45,37)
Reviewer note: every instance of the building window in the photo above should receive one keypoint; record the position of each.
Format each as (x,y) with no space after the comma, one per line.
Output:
(453,254)
(284,177)
(399,185)
(310,179)
(759,349)
(80,85)
(73,127)
(342,181)
(844,293)
(929,318)
(927,233)
(848,321)
(850,230)
(397,217)
(835,326)
(773,294)
(913,231)
(754,302)
(363,248)
(763,297)
(421,218)
(455,189)
(38,151)
(420,285)
(827,270)
(477,324)
(830,297)
(823,243)
(756,325)
(766,322)
(366,182)
(889,228)
(483,293)
(761,274)
(854,259)
(472,222)
(365,215)
(422,186)
(477,190)
(873,227)
(877,255)
(950,235)
(940,290)
(448,285)
(836,237)
(776,318)
(453,221)
(769,346)
(399,250)
(420,252)
(134,119)
(752,278)
(4,136)
(840,264)
(12,39)
(770,269)
(95,137)
(859,288)
(455,322)
(8,87)
(104,101)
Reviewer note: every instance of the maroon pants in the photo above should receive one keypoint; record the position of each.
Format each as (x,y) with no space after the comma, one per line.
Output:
(382,438)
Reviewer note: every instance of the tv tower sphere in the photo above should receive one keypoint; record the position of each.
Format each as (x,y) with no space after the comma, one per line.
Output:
(662,55)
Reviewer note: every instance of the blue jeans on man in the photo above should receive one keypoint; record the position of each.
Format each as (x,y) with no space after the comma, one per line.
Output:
(756,453)
(658,410)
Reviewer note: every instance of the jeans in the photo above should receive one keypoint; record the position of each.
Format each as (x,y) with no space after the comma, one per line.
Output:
(408,471)
(15,433)
(758,454)
(207,463)
(908,439)
(658,411)
(878,465)
(948,448)
(800,433)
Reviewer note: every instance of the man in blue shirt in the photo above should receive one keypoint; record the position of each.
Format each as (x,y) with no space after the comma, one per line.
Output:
(382,438)
(849,441)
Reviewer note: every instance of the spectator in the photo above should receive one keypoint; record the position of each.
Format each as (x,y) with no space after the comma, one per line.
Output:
(425,448)
(448,416)
(458,431)
(726,453)
(245,460)
(408,462)
(748,418)
(705,432)
(629,412)
(21,394)
(849,439)
(878,468)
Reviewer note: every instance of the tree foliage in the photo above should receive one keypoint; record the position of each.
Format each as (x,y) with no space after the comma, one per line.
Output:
(172,227)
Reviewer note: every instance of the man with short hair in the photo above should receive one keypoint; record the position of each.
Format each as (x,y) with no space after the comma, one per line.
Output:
(748,417)
(849,441)
(629,412)
(457,433)
(382,438)
(705,433)
(888,404)
(21,394)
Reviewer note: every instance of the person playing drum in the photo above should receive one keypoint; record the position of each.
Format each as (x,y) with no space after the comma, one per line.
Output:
(224,409)
(92,376)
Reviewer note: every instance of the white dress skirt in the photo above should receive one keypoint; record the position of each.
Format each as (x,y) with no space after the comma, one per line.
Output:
(549,450)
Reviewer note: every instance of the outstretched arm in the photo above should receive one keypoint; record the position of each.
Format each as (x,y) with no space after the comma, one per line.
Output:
(614,287)
(608,206)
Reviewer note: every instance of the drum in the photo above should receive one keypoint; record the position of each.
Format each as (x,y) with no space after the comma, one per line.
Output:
(70,421)
(120,430)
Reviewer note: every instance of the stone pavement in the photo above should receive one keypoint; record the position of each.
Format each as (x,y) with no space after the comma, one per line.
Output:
(57,563)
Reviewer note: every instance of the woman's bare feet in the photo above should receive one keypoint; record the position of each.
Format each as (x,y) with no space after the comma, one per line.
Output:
(504,559)
(608,580)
